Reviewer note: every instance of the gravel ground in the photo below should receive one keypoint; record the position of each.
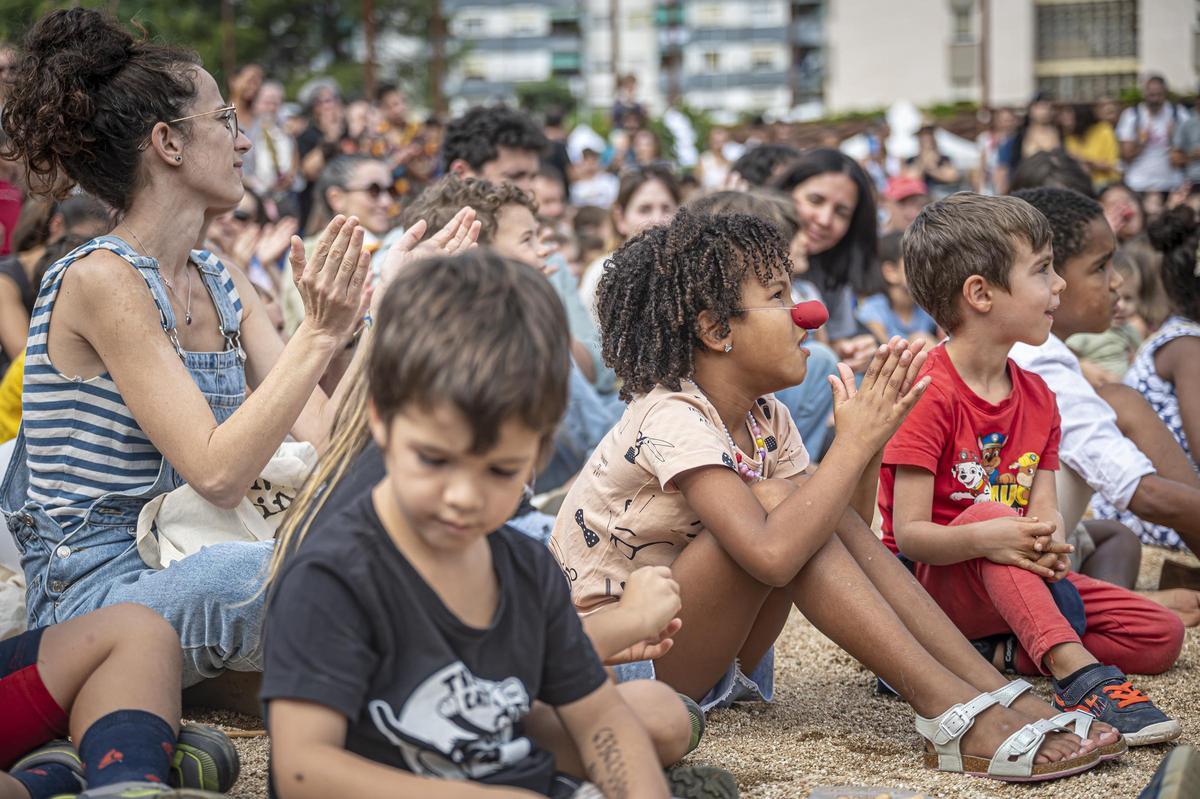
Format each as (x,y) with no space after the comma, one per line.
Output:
(828,728)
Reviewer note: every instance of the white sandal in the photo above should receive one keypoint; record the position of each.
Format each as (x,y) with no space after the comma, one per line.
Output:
(1013,760)
(1082,721)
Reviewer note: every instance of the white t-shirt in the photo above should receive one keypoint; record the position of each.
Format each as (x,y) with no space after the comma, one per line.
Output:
(1151,170)
(1092,445)
(600,191)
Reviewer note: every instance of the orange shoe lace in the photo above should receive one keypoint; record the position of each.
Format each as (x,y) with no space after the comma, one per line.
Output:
(1125,694)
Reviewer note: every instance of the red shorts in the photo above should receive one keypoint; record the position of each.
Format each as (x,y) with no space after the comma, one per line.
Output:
(30,715)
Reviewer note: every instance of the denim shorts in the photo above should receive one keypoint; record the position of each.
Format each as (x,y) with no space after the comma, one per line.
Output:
(734,686)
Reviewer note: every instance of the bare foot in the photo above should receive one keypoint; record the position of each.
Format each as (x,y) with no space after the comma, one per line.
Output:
(1183,601)
(996,724)
(1100,734)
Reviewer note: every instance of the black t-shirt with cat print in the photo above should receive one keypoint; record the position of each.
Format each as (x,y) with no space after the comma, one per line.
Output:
(352,626)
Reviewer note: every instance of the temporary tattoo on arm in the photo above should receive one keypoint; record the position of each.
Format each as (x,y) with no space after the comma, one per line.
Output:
(610,773)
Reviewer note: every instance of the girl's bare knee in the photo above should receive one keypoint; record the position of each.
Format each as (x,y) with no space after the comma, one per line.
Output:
(771,492)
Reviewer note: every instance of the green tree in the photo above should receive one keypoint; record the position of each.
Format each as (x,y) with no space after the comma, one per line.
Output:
(291,39)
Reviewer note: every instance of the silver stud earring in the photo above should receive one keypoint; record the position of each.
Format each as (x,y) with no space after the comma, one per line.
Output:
(729,348)
(179,158)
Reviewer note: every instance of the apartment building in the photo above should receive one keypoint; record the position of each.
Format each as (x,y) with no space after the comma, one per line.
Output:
(831,56)
(934,51)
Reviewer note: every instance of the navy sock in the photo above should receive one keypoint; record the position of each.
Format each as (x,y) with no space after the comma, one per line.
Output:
(51,779)
(128,745)
(1070,678)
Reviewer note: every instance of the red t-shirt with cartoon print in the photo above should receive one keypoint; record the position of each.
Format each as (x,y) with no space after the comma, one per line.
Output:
(976,450)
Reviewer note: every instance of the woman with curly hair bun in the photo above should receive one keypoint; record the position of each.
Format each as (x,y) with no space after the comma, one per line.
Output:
(142,349)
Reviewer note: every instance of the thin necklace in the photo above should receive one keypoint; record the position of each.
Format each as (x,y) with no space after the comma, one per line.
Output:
(187,314)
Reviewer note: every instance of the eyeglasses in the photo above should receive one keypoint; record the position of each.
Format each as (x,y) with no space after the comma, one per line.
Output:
(377,190)
(230,119)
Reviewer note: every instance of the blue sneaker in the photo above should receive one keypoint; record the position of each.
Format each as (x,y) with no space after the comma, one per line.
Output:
(1107,694)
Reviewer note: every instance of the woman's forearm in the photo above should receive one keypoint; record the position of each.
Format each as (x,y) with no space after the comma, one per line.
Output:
(241,446)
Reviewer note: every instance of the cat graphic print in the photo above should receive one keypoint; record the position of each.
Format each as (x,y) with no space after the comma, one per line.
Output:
(456,725)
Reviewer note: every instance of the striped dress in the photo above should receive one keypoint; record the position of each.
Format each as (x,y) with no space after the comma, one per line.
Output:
(82,440)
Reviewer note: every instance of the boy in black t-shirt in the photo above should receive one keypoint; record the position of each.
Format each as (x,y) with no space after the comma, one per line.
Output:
(408,638)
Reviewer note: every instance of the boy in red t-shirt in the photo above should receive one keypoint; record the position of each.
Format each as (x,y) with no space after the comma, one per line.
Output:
(967,488)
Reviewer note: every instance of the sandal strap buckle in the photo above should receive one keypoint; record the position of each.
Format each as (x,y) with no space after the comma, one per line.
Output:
(954,723)
(1025,739)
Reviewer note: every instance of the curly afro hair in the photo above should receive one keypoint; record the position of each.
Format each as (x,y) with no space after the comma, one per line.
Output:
(1069,214)
(657,284)
(476,136)
(438,204)
(1176,234)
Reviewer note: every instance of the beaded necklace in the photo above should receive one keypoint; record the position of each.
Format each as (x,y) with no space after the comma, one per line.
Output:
(760,444)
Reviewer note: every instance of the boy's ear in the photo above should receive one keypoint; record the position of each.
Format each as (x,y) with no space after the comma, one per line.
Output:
(978,294)
(710,332)
(891,272)
(461,169)
(378,427)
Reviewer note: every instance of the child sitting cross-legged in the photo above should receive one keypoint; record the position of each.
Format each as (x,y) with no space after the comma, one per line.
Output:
(353,464)
(705,472)
(968,486)
(410,634)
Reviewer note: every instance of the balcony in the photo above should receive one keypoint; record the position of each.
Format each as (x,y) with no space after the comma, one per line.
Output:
(807,32)
(728,80)
(451,7)
(713,35)
(525,44)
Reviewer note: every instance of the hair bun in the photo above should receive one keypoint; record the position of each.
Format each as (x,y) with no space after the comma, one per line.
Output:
(82,42)
(1173,228)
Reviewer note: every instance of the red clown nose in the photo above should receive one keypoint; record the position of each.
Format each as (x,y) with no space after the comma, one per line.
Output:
(810,315)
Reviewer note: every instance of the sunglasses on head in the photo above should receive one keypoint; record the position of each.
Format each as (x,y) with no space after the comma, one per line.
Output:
(376,190)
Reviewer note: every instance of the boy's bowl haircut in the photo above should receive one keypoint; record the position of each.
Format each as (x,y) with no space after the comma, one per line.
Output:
(438,338)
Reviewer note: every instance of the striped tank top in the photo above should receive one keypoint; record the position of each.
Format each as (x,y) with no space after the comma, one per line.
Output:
(83,442)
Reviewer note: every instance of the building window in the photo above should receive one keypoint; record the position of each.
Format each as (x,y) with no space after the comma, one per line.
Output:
(471,26)
(964,13)
(762,60)
(760,10)
(1087,30)
(708,15)
(712,62)
(1089,88)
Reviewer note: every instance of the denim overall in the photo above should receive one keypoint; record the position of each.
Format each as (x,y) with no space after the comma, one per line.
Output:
(211,598)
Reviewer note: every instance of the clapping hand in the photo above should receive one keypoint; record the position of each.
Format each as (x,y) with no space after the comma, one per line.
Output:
(459,235)
(889,390)
(333,284)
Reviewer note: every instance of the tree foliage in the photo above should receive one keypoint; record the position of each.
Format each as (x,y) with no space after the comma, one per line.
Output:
(289,38)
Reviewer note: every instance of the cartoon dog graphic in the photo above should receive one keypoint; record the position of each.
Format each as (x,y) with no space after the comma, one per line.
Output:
(1026,466)
(970,473)
(989,452)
